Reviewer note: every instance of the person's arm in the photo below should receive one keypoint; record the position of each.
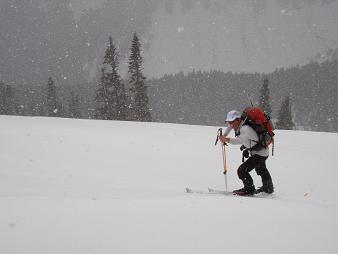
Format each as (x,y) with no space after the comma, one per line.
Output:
(224,138)
(227,131)
(239,140)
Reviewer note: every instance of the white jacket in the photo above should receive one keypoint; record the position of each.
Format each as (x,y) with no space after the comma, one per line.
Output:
(247,137)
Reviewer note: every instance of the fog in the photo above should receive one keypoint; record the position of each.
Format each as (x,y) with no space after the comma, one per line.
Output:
(66,40)
(249,36)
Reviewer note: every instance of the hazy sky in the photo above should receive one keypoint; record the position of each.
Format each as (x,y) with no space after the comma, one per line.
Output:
(251,36)
(79,5)
(176,35)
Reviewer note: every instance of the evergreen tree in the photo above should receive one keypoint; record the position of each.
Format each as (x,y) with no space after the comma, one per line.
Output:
(101,98)
(284,115)
(111,95)
(139,107)
(74,106)
(7,100)
(264,97)
(53,106)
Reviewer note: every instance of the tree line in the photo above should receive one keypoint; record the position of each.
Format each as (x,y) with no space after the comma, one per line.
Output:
(301,97)
(112,100)
(114,103)
(203,97)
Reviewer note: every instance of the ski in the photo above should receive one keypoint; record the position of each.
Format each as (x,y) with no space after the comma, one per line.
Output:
(220,191)
(256,195)
(212,191)
(189,190)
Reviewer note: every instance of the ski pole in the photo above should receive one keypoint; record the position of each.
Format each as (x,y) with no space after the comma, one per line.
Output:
(219,133)
(225,167)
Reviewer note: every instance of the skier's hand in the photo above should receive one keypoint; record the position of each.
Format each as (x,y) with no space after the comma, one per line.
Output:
(224,139)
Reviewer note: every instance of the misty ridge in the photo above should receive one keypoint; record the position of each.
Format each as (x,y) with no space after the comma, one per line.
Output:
(201,58)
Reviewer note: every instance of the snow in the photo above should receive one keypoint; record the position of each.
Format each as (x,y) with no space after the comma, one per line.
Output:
(85,186)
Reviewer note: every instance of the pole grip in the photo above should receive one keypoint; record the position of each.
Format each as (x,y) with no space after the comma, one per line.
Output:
(219,133)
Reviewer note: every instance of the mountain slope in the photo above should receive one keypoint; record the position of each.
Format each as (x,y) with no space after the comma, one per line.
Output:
(79,186)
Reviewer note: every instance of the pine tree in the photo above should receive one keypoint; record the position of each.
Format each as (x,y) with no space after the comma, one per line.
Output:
(101,97)
(53,106)
(117,98)
(74,106)
(139,108)
(284,115)
(264,97)
(111,95)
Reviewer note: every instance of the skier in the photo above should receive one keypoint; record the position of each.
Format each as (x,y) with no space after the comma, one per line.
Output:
(247,137)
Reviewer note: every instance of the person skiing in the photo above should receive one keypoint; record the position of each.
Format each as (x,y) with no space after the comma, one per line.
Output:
(246,136)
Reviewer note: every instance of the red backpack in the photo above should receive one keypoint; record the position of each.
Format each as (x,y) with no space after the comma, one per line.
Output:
(261,123)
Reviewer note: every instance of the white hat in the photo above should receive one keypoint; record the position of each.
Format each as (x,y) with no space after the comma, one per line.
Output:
(232,116)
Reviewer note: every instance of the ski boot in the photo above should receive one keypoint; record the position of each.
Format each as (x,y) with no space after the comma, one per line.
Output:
(246,191)
(267,187)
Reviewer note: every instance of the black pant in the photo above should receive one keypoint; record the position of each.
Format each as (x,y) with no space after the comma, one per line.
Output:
(256,162)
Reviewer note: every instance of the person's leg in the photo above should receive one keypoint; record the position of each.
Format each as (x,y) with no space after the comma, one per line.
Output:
(243,174)
(264,173)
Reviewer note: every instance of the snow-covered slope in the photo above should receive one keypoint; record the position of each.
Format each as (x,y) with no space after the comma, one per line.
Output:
(79,186)
(239,35)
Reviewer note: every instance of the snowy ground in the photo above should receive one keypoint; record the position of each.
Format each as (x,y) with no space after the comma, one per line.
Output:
(79,186)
